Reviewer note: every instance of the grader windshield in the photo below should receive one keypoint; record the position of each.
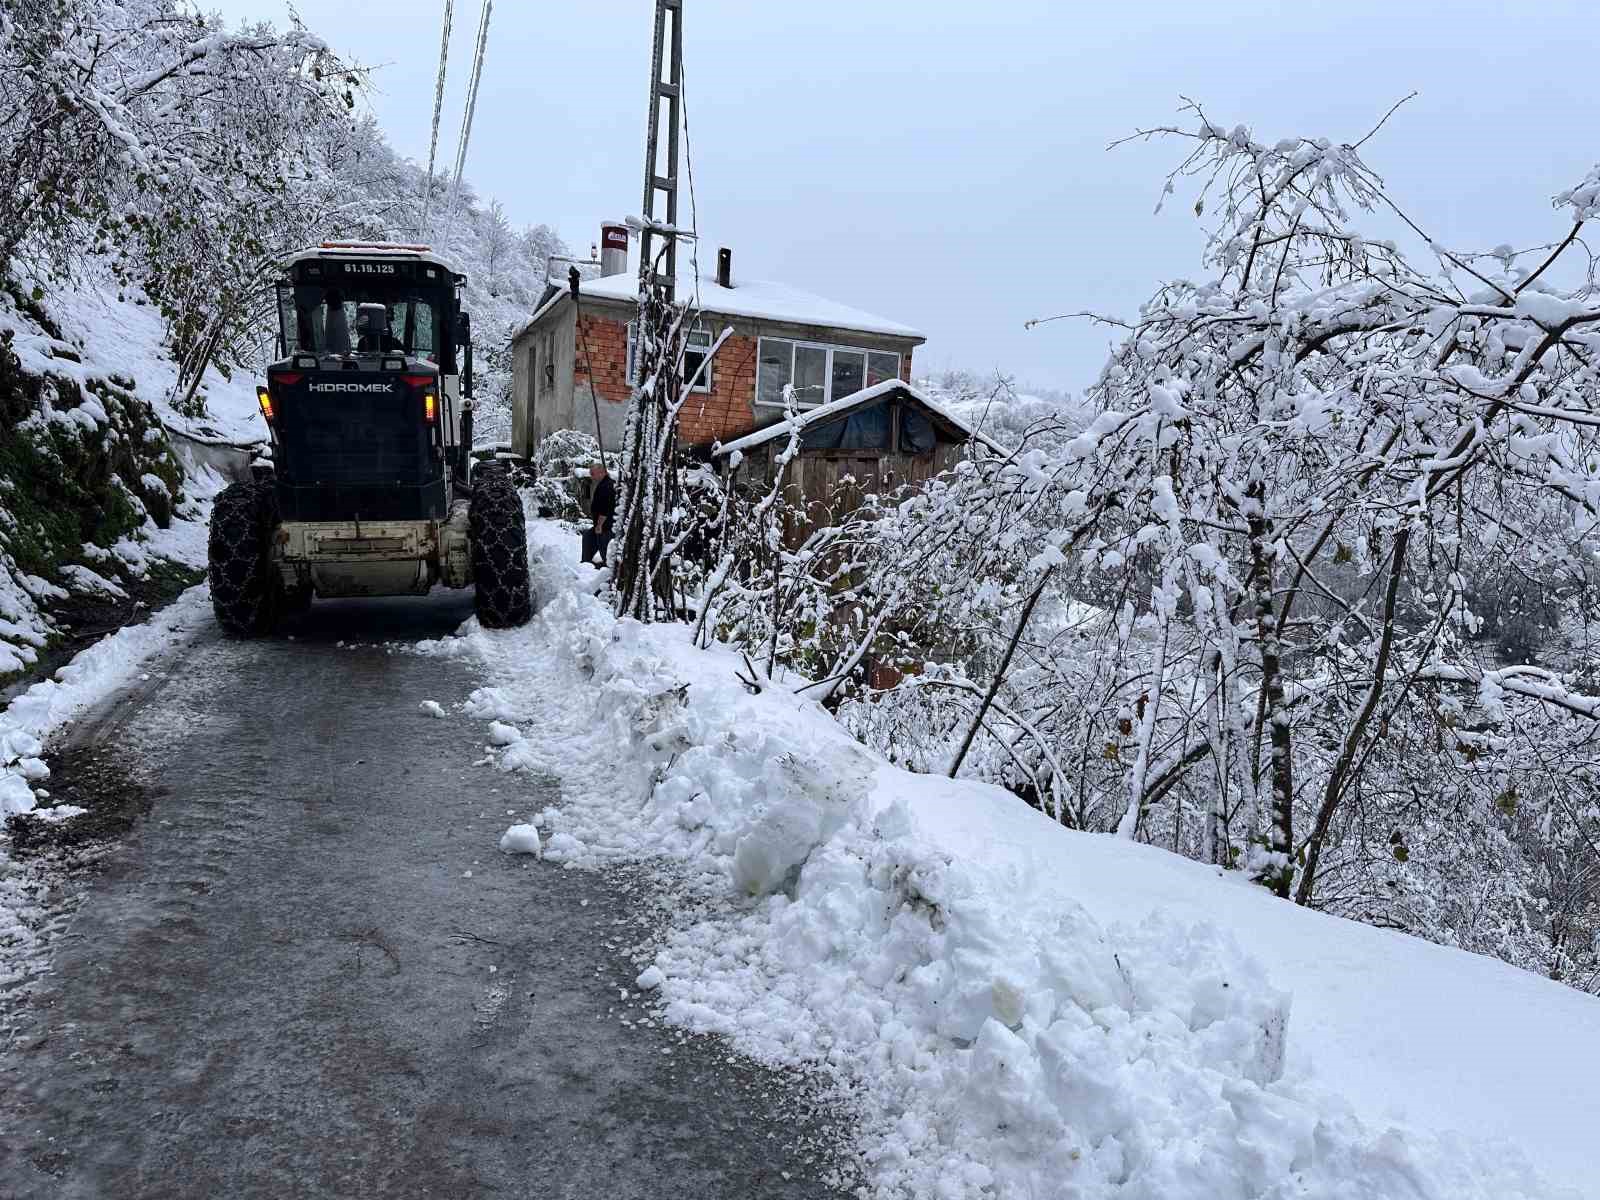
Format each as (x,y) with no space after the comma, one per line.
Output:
(323,319)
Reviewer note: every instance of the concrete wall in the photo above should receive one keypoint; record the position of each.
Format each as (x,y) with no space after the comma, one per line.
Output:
(541,400)
(521,386)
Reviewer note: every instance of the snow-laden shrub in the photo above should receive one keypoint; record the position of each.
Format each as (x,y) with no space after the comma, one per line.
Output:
(558,462)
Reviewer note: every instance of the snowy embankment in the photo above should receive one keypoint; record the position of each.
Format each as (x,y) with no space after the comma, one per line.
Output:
(93,493)
(111,332)
(1018,1010)
(92,676)
(102,341)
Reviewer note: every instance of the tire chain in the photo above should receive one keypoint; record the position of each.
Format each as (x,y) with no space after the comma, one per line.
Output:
(244,587)
(499,539)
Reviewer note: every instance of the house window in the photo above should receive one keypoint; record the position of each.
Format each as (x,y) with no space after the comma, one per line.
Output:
(810,376)
(775,367)
(881,367)
(694,353)
(849,372)
(820,374)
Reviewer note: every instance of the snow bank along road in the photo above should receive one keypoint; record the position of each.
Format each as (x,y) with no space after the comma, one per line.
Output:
(1018,1010)
(309,973)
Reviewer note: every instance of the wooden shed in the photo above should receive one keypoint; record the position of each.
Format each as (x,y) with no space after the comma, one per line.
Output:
(872,441)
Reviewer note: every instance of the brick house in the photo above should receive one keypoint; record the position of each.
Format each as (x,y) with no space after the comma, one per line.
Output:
(574,362)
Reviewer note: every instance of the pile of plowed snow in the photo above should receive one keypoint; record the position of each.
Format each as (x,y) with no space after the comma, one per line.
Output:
(1017,1009)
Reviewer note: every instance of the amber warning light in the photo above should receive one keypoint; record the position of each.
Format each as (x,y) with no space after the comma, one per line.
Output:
(265,398)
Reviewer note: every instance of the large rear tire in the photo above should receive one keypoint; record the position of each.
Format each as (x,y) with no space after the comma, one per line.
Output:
(246,590)
(499,537)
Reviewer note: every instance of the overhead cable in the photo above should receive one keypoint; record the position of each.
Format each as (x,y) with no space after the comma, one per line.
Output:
(438,108)
(472,100)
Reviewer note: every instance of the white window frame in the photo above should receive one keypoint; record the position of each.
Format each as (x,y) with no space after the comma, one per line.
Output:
(827,370)
(632,364)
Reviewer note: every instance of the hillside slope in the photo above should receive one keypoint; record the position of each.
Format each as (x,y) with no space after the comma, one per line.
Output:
(99,513)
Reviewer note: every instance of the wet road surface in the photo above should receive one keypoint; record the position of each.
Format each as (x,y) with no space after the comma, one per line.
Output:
(308,972)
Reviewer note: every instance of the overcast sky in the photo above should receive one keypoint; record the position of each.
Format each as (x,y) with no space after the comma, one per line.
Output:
(944,164)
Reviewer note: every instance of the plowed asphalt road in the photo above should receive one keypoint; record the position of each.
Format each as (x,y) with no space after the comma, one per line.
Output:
(307,971)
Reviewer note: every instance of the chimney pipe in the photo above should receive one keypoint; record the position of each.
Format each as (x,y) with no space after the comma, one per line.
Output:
(613,249)
(725,267)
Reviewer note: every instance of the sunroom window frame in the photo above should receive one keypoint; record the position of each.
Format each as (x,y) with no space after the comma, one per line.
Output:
(827,370)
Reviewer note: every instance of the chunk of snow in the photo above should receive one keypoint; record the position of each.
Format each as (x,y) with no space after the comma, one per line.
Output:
(650,979)
(803,802)
(521,839)
(15,795)
(82,579)
(432,708)
(1549,311)
(564,846)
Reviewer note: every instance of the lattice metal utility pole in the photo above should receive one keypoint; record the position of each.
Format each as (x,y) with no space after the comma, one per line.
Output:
(668,53)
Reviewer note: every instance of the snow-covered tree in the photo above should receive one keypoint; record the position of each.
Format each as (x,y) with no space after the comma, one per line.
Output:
(152,134)
(1238,607)
(193,158)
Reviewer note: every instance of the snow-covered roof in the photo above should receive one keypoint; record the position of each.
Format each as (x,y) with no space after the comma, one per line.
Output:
(824,413)
(756,299)
(553,295)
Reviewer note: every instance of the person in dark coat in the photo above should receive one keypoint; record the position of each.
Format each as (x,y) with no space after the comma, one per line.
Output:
(603,512)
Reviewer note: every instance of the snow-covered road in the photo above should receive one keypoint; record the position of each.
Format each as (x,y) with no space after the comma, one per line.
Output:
(310,973)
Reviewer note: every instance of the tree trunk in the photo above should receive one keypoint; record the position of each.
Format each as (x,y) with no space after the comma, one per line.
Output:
(1212,836)
(649,480)
(1277,873)
(1343,768)
(1128,827)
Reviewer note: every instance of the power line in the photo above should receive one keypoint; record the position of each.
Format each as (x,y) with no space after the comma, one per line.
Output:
(688,162)
(472,100)
(438,108)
